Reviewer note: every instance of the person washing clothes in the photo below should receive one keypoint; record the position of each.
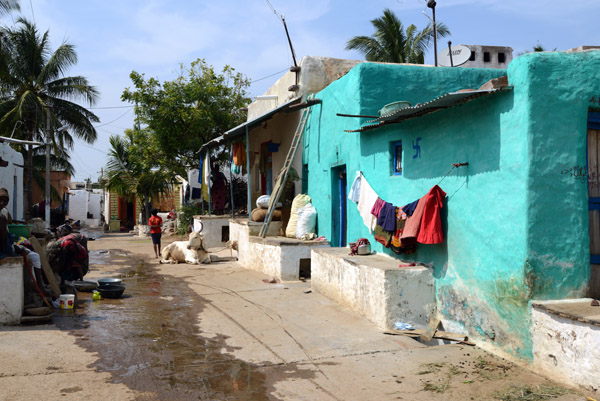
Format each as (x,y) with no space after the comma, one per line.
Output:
(155,223)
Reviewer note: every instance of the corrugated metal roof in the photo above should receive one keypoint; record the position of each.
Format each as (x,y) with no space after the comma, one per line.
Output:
(241,129)
(420,109)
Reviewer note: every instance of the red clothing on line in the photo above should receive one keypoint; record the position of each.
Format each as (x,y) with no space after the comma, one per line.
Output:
(155,221)
(431,222)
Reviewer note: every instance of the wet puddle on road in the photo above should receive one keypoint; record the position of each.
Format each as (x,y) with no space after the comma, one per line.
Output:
(149,340)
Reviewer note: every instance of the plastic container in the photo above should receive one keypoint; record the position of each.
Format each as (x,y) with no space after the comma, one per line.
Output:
(22,230)
(67,301)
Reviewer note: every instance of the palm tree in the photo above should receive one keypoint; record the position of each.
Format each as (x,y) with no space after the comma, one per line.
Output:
(392,44)
(37,98)
(131,170)
(6,6)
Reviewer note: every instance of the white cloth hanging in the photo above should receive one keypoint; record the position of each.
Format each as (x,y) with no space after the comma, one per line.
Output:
(365,203)
(354,193)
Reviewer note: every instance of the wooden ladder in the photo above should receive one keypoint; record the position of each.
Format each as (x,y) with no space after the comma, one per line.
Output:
(279,184)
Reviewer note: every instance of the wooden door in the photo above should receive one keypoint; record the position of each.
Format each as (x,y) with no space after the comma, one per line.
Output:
(594,210)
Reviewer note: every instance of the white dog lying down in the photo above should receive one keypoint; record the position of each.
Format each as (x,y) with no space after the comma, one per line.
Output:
(191,251)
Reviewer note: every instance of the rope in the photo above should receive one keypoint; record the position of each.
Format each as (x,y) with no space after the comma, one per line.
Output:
(454,165)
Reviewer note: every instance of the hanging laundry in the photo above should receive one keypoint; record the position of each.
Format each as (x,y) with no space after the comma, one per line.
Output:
(365,203)
(205,174)
(410,208)
(354,193)
(396,244)
(413,223)
(376,209)
(431,222)
(382,236)
(387,217)
(239,154)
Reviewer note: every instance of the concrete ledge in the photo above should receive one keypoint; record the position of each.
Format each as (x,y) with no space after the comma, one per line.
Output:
(215,229)
(11,290)
(241,229)
(375,286)
(280,257)
(566,334)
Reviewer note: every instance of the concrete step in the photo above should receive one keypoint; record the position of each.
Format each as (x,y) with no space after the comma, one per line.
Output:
(374,286)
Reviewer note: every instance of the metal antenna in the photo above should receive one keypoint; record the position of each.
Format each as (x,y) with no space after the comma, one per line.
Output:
(282,18)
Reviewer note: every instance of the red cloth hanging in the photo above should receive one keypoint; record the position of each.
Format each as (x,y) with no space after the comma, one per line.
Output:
(431,221)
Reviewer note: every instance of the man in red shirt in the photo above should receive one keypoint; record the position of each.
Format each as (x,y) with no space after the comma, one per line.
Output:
(155,223)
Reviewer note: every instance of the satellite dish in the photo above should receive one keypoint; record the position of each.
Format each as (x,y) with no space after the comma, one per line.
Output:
(460,55)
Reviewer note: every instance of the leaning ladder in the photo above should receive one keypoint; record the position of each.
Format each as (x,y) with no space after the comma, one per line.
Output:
(279,184)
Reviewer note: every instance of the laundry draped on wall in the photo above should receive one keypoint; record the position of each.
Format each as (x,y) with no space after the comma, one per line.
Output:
(399,228)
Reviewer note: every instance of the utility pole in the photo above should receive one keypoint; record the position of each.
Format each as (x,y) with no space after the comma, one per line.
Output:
(47,199)
(431,4)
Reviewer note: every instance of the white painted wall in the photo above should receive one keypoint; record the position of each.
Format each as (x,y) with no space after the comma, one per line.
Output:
(11,290)
(82,202)
(566,349)
(240,230)
(279,257)
(374,286)
(11,175)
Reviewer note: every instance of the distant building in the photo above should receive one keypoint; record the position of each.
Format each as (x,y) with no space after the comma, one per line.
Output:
(11,178)
(489,56)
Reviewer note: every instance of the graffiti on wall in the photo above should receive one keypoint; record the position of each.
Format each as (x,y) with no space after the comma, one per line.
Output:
(579,173)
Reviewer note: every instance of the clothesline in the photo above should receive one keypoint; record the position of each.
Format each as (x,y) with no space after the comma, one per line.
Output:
(399,228)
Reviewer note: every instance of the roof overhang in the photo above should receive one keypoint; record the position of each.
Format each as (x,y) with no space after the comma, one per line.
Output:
(443,102)
(240,130)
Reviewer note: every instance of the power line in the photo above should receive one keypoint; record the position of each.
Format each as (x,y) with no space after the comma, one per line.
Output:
(268,76)
(32,14)
(110,122)
(110,107)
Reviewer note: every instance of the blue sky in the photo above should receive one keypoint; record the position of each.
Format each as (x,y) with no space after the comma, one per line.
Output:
(112,38)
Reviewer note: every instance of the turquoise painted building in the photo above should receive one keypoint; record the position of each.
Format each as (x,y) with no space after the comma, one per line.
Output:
(516,220)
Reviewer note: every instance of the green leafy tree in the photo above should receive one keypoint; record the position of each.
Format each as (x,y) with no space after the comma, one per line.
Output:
(185,113)
(391,43)
(36,98)
(132,172)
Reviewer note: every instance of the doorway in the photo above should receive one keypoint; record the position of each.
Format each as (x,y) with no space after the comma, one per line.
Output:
(593,159)
(266,168)
(338,206)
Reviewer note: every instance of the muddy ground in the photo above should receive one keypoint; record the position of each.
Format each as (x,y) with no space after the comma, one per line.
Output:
(218,332)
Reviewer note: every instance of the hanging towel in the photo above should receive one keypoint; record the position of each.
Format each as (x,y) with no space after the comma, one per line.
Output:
(431,222)
(413,223)
(365,203)
(354,194)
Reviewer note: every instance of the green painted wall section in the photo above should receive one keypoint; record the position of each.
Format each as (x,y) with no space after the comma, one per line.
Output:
(560,86)
(508,228)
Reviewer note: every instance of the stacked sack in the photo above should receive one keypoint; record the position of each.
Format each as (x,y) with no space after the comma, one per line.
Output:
(303,219)
(262,205)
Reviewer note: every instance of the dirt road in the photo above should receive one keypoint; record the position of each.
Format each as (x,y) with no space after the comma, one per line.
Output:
(218,332)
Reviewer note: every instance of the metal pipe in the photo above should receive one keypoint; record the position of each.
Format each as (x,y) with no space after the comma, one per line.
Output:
(450,53)
(208,182)
(19,141)
(355,115)
(431,4)
(249,180)
(231,181)
(290,42)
